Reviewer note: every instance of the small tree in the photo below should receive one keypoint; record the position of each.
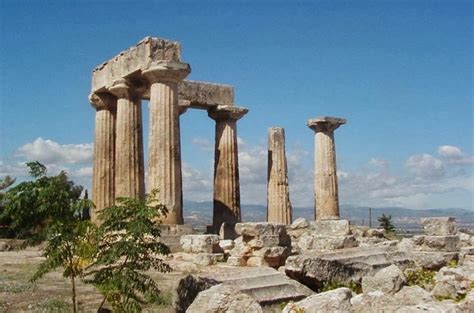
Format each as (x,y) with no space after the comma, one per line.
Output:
(386,223)
(113,256)
(71,245)
(4,220)
(129,247)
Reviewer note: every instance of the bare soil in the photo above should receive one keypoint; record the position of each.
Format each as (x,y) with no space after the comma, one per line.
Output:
(52,293)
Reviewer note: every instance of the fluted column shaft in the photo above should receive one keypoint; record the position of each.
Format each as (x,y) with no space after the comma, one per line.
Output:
(226,207)
(278,196)
(164,161)
(165,149)
(103,178)
(129,171)
(325,185)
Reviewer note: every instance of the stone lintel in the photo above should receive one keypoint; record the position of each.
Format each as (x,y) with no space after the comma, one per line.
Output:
(134,60)
(204,95)
(325,123)
(227,112)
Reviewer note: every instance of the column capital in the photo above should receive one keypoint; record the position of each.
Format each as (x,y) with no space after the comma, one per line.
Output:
(227,112)
(325,123)
(103,101)
(167,71)
(123,89)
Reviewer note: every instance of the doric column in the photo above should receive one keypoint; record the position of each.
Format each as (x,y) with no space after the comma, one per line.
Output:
(278,196)
(103,177)
(129,163)
(226,165)
(325,183)
(164,159)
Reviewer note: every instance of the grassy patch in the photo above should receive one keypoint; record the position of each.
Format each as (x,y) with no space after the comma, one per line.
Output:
(420,277)
(459,297)
(331,285)
(16,287)
(52,305)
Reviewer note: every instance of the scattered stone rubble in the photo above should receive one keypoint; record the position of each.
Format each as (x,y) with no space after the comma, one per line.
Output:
(321,254)
(260,244)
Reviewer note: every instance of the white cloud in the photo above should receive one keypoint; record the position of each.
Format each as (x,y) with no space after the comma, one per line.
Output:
(197,186)
(425,165)
(379,163)
(51,152)
(454,155)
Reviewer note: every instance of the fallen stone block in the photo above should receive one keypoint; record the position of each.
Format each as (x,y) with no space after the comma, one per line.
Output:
(412,295)
(314,269)
(223,298)
(439,226)
(313,241)
(200,244)
(389,280)
(207,259)
(337,300)
(437,243)
(331,227)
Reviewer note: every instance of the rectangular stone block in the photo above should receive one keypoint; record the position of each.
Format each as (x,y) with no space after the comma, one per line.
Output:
(135,59)
(200,244)
(439,226)
(437,243)
(264,241)
(204,95)
(331,227)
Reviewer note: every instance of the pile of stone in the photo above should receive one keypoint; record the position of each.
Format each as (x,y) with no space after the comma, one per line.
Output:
(437,247)
(260,244)
(325,235)
(205,248)
(387,291)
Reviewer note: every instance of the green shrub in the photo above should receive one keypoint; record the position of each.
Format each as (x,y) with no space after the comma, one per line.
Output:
(420,277)
(333,284)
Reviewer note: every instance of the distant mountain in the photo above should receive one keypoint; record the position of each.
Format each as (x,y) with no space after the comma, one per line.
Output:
(200,214)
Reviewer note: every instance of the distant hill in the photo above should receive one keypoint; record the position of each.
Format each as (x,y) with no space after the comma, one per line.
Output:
(200,214)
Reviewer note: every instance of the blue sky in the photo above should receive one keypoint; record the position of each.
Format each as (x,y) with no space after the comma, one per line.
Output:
(399,71)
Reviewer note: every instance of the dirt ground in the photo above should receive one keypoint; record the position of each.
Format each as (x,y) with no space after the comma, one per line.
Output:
(52,293)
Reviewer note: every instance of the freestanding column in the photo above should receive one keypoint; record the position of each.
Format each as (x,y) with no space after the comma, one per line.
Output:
(226,165)
(129,171)
(103,178)
(164,169)
(278,196)
(325,185)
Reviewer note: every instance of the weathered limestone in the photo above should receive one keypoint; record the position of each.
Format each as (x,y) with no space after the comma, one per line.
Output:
(344,266)
(388,280)
(226,165)
(132,61)
(325,186)
(103,179)
(337,300)
(164,172)
(200,244)
(278,196)
(204,95)
(129,163)
(439,226)
(260,244)
(152,69)
(224,298)
(266,285)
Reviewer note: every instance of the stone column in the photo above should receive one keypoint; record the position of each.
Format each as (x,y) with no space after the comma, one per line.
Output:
(103,177)
(325,183)
(129,163)
(164,161)
(278,196)
(226,165)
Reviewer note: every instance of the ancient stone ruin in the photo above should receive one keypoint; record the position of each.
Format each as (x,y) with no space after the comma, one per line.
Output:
(153,70)
(322,265)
